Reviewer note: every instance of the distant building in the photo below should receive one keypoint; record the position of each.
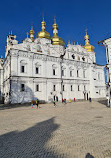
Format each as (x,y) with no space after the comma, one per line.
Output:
(1,78)
(43,68)
(107,44)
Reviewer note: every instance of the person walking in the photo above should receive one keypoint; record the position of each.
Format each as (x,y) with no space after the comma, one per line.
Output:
(32,103)
(37,103)
(90,100)
(54,103)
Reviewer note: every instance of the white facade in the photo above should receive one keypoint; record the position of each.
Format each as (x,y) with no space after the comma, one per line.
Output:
(37,70)
(1,78)
(107,44)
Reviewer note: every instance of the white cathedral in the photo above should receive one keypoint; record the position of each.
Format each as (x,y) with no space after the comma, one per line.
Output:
(44,68)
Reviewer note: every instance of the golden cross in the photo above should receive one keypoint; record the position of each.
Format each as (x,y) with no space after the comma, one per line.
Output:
(86,30)
(27,34)
(54,19)
(43,16)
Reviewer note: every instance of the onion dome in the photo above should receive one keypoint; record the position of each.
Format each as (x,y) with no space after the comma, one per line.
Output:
(56,40)
(87,46)
(32,34)
(43,33)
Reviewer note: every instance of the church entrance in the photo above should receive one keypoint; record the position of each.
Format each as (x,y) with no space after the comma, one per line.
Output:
(54,97)
(87,97)
(84,96)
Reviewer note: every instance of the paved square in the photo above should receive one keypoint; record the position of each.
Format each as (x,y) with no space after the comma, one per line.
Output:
(66,131)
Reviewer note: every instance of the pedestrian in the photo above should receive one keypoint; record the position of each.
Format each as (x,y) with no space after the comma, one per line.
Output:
(90,100)
(37,103)
(32,103)
(54,103)
(74,99)
(65,100)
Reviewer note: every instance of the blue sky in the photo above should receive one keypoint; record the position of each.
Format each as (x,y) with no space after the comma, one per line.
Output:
(72,17)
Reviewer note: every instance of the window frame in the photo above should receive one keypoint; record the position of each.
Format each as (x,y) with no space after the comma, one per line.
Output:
(63,72)
(77,73)
(63,88)
(71,87)
(36,70)
(54,87)
(54,72)
(37,87)
(22,69)
(22,88)
(70,73)
(78,87)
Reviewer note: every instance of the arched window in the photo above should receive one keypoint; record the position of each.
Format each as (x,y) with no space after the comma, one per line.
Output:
(84,73)
(63,71)
(71,70)
(71,88)
(39,48)
(78,88)
(54,69)
(77,73)
(37,68)
(78,57)
(83,58)
(73,56)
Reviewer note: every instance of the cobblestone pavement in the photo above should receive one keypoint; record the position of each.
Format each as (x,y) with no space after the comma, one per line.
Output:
(74,130)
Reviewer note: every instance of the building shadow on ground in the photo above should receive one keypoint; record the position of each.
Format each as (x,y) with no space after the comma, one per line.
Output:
(88,155)
(104,102)
(30,143)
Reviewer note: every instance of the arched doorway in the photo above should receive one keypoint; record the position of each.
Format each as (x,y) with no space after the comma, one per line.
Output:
(87,97)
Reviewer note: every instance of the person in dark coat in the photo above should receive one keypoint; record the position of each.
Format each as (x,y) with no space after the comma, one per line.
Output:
(37,103)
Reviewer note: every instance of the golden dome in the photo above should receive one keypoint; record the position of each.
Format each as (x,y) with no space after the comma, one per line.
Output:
(43,33)
(87,46)
(86,37)
(56,40)
(55,26)
(32,34)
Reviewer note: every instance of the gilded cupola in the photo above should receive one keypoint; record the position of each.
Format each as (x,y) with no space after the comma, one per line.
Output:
(87,46)
(43,33)
(56,40)
(32,34)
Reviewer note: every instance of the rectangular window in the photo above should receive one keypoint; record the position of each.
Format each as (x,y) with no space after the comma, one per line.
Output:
(78,88)
(63,88)
(71,88)
(62,72)
(54,88)
(37,87)
(83,74)
(70,73)
(22,87)
(22,69)
(84,87)
(53,71)
(37,70)
(77,73)
(98,76)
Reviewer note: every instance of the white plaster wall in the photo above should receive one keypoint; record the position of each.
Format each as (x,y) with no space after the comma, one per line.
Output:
(46,79)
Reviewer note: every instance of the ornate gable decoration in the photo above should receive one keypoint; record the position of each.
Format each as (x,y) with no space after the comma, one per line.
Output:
(39,48)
